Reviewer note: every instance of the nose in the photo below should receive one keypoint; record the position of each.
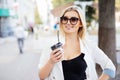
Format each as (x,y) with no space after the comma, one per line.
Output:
(68,22)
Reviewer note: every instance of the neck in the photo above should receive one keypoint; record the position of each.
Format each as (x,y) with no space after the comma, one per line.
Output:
(72,44)
(71,39)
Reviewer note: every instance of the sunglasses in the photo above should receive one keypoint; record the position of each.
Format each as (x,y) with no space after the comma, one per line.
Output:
(73,20)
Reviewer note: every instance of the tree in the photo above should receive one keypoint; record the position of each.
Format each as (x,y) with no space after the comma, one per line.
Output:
(37,17)
(89,13)
(107,39)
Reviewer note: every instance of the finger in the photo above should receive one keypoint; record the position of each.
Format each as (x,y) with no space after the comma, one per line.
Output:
(59,57)
(55,51)
(58,53)
(55,57)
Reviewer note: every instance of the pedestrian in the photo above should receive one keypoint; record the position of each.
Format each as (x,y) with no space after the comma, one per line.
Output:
(79,56)
(31,30)
(20,35)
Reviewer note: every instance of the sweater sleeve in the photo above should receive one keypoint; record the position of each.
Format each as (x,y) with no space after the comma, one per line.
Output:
(104,61)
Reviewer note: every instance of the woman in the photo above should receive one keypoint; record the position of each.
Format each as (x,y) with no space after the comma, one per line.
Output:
(79,56)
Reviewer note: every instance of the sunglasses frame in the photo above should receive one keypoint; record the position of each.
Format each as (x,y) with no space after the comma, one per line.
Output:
(69,19)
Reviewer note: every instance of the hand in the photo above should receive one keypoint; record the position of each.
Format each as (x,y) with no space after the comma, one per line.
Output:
(104,77)
(56,55)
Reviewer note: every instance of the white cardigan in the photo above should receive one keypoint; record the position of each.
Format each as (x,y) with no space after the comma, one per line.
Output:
(93,55)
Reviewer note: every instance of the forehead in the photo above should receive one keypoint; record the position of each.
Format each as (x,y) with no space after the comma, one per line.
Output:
(71,13)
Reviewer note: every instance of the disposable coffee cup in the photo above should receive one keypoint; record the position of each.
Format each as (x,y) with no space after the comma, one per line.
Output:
(58,45)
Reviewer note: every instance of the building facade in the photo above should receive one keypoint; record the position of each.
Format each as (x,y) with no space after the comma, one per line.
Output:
(14,11)
(4,18)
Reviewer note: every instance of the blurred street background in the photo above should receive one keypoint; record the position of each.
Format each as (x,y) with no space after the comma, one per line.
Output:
(39,18)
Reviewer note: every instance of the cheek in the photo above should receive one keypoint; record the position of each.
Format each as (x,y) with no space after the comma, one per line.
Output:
(62,29)
(79,25)
(77,28)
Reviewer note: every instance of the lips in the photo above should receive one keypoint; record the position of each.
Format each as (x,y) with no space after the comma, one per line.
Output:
(68,27)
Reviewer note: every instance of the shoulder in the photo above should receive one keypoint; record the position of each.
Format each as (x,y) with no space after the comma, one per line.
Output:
(92,47)
(90,43)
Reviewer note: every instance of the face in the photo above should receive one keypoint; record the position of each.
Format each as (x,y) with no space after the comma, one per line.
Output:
(71,22)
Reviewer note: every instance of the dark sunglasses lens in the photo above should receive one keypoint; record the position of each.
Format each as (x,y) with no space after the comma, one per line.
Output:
(64,20)
(73,20)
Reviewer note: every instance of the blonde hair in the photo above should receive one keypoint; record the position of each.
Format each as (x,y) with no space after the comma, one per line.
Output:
(82,30)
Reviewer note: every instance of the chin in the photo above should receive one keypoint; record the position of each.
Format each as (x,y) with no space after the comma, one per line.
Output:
(69,32)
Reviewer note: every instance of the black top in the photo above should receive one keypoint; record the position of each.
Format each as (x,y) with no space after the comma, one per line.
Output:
(74,69)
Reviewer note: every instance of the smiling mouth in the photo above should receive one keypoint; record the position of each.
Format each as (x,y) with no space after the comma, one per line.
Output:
(68,27)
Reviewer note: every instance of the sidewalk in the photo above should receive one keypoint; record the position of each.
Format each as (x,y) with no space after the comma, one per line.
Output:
(7,39)
(16,66)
